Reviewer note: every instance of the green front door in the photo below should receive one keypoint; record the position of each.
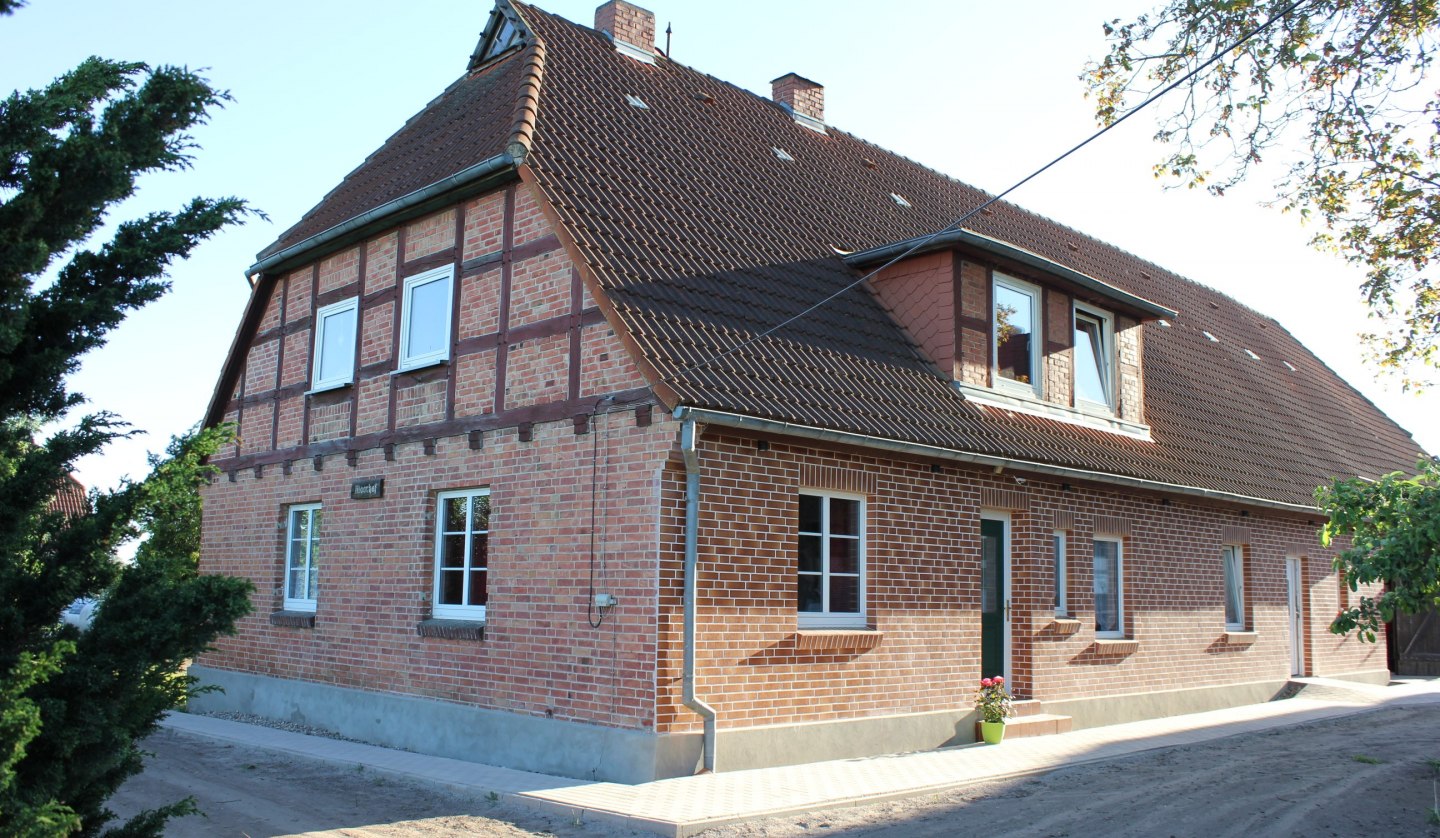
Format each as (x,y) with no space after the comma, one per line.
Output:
(992,598)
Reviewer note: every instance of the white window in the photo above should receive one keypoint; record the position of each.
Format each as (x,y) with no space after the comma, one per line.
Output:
(334,345)
(1094,358)
(302,554)
(1109,589)
(830,583)
(1016,336)
(425,319)
(1057,551)
(462,551)
(1232,560)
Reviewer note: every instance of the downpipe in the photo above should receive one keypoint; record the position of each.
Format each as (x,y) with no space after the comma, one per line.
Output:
(689,436)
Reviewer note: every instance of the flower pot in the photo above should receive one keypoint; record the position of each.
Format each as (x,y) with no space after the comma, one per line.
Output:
(992,732)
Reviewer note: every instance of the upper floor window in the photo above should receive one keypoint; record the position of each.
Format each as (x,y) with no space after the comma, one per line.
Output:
(1015,339)
(462,554)
(425,318)
(831,561)
(334,345)
(1094,358)
(302,552)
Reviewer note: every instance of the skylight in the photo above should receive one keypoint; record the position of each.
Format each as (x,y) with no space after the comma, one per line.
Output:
(1212,338)
(1164,324)
(636,101)
(782,154)
(899,199)
(1289,365)
(1252,355)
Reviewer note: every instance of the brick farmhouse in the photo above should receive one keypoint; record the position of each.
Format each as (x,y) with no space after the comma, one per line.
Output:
(527,474)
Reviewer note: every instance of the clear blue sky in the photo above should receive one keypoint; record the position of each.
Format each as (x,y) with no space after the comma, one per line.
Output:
(982,91)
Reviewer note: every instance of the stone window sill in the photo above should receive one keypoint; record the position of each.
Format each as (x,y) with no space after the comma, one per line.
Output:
(1117,645)
(293,619)
(838,639)
(452,629)
(1241,638)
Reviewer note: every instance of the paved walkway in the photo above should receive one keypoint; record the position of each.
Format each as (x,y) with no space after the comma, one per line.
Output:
(687,805)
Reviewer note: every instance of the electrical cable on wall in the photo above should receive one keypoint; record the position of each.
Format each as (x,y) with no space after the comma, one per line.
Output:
(956,224)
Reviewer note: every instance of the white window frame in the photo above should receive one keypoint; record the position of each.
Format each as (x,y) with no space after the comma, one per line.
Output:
(1106,354)
(1037,298)
(1059,558)
(1236,553)
(1119,633)
(825,619)
(457,612)
(407,361)
(292,602)
(353,306)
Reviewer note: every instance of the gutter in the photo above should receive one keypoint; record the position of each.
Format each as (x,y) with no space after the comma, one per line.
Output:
(479,171)
(886,252)
(752,423)
(689,435)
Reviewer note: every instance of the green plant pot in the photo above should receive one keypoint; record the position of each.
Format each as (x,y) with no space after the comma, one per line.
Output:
(992,732)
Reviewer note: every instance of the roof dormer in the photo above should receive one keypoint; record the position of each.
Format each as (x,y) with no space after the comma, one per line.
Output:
(1019,331)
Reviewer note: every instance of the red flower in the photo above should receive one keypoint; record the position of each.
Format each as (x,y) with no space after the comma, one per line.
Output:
(999,680)
(986,682)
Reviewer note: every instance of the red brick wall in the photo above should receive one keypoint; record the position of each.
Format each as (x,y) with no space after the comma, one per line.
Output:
(627,22)
(539,655)
(923,591)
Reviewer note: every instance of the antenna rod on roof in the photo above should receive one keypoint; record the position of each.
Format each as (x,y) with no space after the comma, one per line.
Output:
(667,39)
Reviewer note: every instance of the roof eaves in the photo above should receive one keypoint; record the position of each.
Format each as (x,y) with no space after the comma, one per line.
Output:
(755,423)
(926,244)
(492,168)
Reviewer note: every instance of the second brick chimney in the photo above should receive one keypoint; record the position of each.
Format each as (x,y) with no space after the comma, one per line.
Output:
(629,25)
(800,96)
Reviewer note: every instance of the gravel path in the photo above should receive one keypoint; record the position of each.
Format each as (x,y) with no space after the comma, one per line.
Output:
(1370,774)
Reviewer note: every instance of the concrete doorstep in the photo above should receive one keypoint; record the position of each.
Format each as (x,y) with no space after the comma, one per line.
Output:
(687,805)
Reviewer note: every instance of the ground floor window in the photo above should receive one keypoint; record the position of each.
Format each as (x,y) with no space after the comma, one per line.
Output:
(1109,589)
(302,554)
(462,550)
(1057,551)
(830,583)
(1233,563)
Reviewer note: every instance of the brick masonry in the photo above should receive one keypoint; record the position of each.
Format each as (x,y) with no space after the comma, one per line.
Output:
(540,654)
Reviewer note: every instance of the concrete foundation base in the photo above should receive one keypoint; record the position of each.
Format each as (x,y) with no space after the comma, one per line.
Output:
(593,752)
(458,731)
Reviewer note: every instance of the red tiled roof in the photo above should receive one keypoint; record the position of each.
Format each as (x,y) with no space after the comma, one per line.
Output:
(70,499)
(473,120)
(702,238)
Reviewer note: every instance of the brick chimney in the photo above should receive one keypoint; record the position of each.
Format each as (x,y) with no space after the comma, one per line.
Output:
(629,25)
(802,97)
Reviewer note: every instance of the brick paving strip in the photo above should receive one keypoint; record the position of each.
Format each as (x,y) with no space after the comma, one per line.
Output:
(687,805)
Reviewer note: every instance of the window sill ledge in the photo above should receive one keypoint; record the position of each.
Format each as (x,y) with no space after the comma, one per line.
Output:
(428,365)
(329,388)
(1241,638)
(1117,645)
(452,629)
(838,638)
(293,619)
(1035,406)
(1065,626)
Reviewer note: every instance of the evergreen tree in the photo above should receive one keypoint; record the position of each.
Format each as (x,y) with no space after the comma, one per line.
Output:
(72,704)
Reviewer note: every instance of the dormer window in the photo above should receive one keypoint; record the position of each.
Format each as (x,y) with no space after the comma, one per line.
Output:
(1094,359)
(1015,334)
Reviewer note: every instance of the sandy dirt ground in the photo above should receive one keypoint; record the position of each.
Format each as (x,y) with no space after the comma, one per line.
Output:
(1368,775)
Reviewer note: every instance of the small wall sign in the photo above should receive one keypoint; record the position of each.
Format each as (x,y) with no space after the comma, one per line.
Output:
(368,489)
